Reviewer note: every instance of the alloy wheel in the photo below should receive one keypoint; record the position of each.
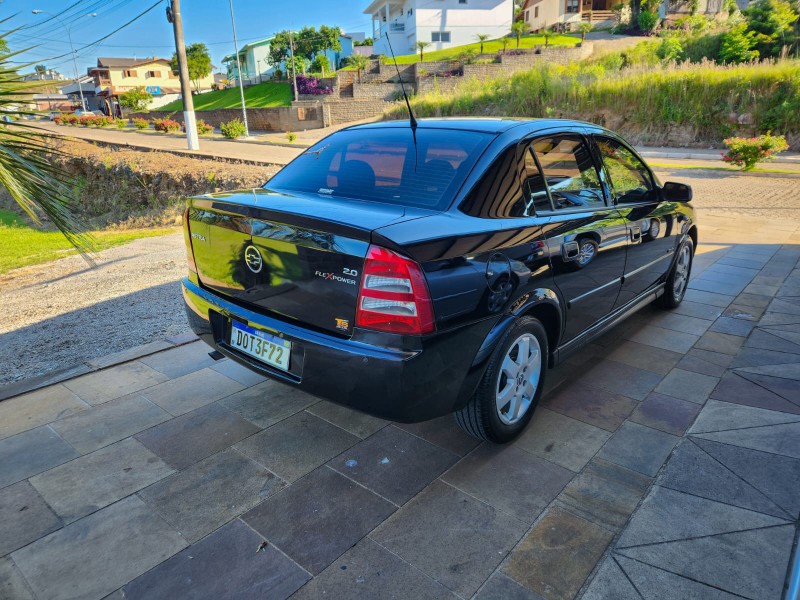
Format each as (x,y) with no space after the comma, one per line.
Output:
(682,271)
(518,379)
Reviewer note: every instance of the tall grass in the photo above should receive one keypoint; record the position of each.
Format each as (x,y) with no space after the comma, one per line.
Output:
(641,100)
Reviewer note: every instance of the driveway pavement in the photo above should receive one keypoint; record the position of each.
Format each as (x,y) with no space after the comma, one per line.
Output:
(663,463)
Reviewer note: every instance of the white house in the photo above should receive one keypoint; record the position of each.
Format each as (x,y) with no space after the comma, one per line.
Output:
(441,23)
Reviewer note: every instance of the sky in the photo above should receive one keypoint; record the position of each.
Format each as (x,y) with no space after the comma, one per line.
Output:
(207,21)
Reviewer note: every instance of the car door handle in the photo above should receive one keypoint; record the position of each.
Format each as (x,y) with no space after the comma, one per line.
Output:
(636,234)
(570,251)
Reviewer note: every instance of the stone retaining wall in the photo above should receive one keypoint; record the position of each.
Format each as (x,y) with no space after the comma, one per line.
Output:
(282,118)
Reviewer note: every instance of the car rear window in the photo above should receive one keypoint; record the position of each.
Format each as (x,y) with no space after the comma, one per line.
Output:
(386,165)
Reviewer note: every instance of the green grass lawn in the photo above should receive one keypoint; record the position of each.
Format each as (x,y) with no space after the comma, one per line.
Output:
(490,47)
(263,95)
(22,245)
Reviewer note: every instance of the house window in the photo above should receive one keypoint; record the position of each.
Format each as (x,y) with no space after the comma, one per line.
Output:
(573,6)
(535,12)
(410,11)
(527,15)
(462,1)
(153,74)
(129,73)
(440,36)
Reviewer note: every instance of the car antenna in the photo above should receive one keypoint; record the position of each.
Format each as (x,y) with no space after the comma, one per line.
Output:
(411,117)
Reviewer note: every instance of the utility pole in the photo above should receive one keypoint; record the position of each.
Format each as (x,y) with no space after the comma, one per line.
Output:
(239,69)
(294,75)
(174,17)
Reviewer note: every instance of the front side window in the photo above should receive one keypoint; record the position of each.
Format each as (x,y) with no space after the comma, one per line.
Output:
(440,36)
(569,171)
(389,165)
(573,6)
(630,178)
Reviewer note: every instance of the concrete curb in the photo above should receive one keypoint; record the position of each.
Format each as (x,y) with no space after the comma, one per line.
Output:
(96,364)
(689,155)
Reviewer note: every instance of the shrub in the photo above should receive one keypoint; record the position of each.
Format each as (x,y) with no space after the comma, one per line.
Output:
(141,123)
(136,100)
(291,136)
(737,45)
(310,86)
(747,152)
(166,125)
(104,121)
(203,128)
(121,123)
(670,49)
(320,64)
(648,21)
(233,129)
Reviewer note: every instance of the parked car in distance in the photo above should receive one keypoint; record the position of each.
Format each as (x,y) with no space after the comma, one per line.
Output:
(414,272)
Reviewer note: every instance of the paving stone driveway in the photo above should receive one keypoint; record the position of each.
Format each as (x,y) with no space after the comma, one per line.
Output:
(663,463)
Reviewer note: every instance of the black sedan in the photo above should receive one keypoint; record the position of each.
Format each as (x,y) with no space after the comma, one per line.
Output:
(410,272)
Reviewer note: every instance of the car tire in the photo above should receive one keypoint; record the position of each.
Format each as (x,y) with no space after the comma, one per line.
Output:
(678,278)
(509,376)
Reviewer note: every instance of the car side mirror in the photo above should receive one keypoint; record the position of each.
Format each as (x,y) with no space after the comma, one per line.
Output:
(676,192)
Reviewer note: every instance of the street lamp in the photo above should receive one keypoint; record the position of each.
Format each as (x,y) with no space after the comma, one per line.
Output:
(71,47)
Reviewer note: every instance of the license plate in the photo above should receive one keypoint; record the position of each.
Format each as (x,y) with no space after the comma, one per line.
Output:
(261,346)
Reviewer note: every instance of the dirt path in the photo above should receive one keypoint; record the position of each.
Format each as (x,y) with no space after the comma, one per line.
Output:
(63,313)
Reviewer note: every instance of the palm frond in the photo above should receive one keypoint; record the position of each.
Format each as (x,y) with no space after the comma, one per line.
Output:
(28,170)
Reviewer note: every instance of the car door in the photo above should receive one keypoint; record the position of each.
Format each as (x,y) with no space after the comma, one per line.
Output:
(652,225)
(584,234)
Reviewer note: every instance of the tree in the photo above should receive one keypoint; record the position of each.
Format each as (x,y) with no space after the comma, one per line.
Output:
(309,42)
(27,169)
(357,62)
(279,48)
(40,69)
(518,28)
(584,28)
(198,60)
(420,45)
(737,45)
(482,37)
(505,42)
(136,100)
(771,21)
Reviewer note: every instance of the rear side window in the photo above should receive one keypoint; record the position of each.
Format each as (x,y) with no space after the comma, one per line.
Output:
(569,171)
(386,165)
(498,193)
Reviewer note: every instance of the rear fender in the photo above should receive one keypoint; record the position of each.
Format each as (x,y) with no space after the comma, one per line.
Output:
(542,303)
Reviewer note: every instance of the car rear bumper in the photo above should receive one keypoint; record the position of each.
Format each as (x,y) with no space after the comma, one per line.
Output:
(400,385)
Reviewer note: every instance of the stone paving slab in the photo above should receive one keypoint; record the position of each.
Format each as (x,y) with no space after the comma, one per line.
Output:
(87,560)
(673,454)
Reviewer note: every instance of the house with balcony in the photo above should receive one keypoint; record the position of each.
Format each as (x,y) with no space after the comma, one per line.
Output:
(543,14)
(441,23)
(115,76)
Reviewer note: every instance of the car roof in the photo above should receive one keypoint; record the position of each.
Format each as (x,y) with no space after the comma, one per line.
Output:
(482,124)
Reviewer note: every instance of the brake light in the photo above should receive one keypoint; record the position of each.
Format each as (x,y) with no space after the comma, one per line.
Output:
(394,296)
(187,237)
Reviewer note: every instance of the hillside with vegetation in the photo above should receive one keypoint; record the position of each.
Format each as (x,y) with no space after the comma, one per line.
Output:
(699,83)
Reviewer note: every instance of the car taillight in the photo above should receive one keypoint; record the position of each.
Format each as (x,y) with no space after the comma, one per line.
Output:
(187,237)
(394,296)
